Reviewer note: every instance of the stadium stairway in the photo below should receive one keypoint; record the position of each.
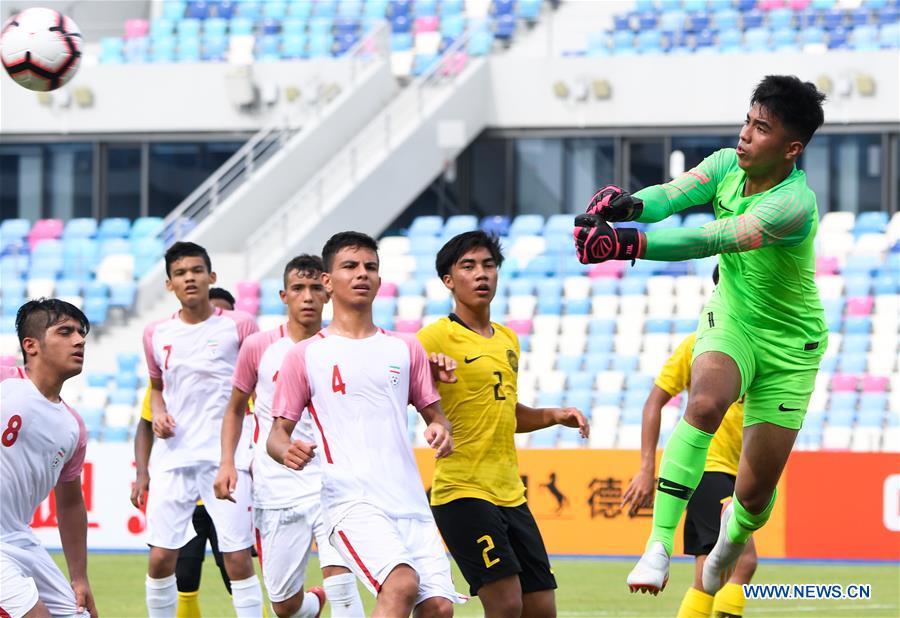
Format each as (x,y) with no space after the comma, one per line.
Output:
(376,175)
(248,188)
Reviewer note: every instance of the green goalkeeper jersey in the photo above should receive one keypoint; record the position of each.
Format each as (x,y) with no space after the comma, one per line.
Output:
(767,260)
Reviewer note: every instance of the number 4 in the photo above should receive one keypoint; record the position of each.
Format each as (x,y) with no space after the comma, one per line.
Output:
(337,383)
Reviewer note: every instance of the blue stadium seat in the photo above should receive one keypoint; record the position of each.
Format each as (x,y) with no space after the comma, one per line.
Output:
(173,9)
(428,224)
(548,287)
(601,343)
(81,227)
(640,382)
(549,305)
(480,43)
(214,47)
(752,19)
(870,222)
(812,35)
(268,47)
(544,438)
(578,306)
(698,219)
(756,40)
(320,45)
(607,399)
(780,18)
(838,38)
(785,39)
(497,225)
(271,305)
(96,289)
(122,295)
(251,9)
(650,42)
(225,9)
(597,44)
(275,9)
(658,325)
(873,403)
(623,42)
(852,363)
(864,38)
(725,18)
(633,285)
(93,420)
(569,364)
(855,344)
(457,224)
(888,16)
(270,25)
(684,325)
(698,21)
(526,225)
(626,364)
(632,415)
(579,380)
(137,50)
(187,28)
(215,26)
(126,380)
(411,287)
(111,49)
(241,26)
(189,50)
(672,21)
(96,310)
(605,286)
(505,27)
(441,306)
(115,434)
(860,16)
(325,8)
(647,20)
(601,326)
(197,9)
(886,284)
(861,264)
(163,49)
(857,285)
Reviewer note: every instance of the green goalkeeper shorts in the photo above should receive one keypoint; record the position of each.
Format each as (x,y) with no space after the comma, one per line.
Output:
(777,379)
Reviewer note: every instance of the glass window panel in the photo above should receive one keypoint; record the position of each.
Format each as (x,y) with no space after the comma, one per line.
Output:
(488,183)
(647,164)
(539,166)
(70,180)
(123,181)
(590,164)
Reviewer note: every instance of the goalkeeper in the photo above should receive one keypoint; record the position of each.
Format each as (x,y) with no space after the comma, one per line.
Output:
(761,335)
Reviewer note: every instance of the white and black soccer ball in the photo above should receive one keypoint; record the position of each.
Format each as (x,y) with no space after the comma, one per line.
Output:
(40,48)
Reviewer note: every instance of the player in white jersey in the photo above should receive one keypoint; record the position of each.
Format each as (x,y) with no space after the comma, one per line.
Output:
(43,444)
(286,505)
(356,381)
(190,358)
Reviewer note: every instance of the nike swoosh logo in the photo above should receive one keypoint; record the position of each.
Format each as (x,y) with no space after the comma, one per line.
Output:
(725,209)
(783,409)
(472,360)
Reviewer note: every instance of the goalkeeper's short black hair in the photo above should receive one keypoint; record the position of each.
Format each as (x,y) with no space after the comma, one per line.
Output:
(342,240)
(797,104)
(461,244)
(35,317)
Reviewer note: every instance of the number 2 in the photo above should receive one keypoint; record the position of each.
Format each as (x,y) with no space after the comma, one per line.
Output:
(488,546)
(11,433)
(168,349)
(497,386)
(337,383)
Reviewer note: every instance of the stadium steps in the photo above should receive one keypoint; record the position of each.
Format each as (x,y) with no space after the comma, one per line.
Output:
(263,174)
(374,177)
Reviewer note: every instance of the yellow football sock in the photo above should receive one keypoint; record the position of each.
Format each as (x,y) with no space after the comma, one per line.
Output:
(729,601)
(188,605)
(695,604)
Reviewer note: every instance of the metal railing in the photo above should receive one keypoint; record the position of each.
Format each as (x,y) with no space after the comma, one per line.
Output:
(244,163)
(404,113)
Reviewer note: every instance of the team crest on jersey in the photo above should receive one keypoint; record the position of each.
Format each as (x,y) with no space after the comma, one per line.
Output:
(212,347)
(394,375)
(513,360)
(57,459)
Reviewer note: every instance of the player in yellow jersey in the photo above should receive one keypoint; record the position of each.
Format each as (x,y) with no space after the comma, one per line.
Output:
(477,496)
(189,566)
(701,524)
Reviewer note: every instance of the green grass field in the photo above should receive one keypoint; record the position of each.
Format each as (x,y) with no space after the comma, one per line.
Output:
(586,588)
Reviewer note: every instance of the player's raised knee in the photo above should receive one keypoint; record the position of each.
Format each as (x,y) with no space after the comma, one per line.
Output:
(705,410)
(435,607)
(401,583)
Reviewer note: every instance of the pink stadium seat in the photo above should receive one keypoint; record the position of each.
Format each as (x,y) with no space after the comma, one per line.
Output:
(44,229)
(408,326)
(768,5)
(455,64)
(8,360)
(874,384)
(427,24)
(827,265)
(520,327)
(387,289)
(860,305)
(248,289)
(843,383)
(798,5)
(607,269)
(136,28)
(250,305)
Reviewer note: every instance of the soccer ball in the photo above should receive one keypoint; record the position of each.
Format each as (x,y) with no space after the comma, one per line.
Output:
(40,48)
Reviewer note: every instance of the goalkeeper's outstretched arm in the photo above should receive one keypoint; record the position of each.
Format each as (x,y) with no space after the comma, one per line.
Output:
(785,222)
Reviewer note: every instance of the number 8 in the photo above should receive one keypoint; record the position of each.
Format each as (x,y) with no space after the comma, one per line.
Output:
(11,433)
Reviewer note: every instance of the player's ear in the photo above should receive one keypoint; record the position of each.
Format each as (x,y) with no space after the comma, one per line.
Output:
(212,277)
(448,281)
(283,296)
(31,346)
(794,150)
(326,281)
(169,285)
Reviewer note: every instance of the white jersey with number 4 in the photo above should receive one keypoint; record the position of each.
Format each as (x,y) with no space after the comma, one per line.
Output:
(357,392)
(274,486)
(42,443)
(195,363)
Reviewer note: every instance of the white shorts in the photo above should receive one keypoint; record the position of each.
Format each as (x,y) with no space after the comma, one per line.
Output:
(27,574)
(173,496)
(373,544)
(284,540)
